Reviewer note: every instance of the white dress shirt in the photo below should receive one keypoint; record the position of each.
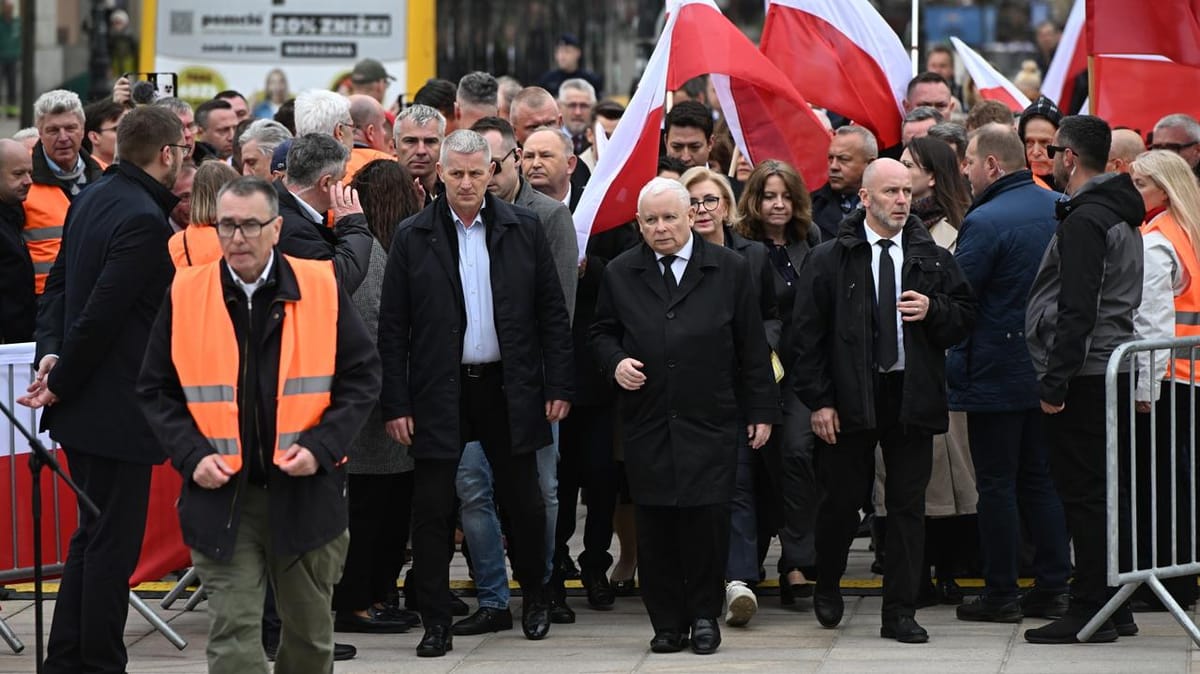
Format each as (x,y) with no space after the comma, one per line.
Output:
(896,251)
(681,262)
(316,216)
(251,288)
(481,344)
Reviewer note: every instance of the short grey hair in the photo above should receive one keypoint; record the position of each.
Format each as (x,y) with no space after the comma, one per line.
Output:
(465,141)
(509,87)
(57,102)
(1180,120)
(175,105)
(26,133)
(953,133)
(578,84)
(319,111)
(478,88)
(658,186)
(268,133)
(922,113)
(247,186)
(870,145)
(312,156)
(563,137)
(422,115)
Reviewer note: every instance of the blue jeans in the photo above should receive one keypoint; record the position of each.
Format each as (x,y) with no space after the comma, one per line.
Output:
(1012,473)
(481,524)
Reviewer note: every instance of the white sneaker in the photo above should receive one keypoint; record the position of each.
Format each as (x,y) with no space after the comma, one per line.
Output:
(741,602)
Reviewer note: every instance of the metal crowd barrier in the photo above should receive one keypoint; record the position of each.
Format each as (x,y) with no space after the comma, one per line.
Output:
(1181,484)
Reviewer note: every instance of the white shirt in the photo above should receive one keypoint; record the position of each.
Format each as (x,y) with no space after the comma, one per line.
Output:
(481,344)
(566,200)
(897,254)
(251,288)
(680,264)
(318,218)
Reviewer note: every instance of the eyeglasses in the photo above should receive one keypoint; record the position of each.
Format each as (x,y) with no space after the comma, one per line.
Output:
(1173,147)
(499,163)
(107,128)
(187,150)
(251,229)
(1052,150)
(708,203)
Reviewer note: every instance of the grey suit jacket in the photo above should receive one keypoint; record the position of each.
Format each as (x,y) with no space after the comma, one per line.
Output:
(560,233)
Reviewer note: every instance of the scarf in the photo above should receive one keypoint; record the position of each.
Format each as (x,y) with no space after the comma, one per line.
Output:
(928,210)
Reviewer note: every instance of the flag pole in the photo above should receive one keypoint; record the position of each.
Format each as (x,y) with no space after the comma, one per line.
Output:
(916,37)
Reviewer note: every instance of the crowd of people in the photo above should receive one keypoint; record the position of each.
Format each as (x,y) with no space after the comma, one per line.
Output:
(355,331)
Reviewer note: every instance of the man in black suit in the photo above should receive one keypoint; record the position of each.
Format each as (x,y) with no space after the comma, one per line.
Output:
(94,321)
(476,345)
(678,328)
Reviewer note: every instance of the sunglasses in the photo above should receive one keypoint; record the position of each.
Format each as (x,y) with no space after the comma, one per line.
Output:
(1172,147)
(1052,150)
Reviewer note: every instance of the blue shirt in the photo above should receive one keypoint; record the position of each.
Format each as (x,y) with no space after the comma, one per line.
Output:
(480,342)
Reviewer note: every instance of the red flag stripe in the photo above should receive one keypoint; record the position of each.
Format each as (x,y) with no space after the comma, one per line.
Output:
(1136,92)
(1167,27)
(991,84)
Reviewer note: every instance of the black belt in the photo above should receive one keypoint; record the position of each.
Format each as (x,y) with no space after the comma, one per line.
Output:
(481,370)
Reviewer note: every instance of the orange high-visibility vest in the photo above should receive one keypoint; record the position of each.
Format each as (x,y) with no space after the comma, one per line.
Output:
(1037,180)
(204,350)
(45,212)
(1187,303)
(194,245)
(360,157)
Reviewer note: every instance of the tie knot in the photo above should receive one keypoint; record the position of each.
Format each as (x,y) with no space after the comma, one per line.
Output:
(667,260)
(885,243)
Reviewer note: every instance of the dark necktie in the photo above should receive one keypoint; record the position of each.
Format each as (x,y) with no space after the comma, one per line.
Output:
(887,351)
(668,275)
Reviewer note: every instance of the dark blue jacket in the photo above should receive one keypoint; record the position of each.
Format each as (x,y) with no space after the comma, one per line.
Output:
(1000,245)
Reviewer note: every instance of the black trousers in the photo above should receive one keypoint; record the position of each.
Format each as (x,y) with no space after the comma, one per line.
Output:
(87,633)
(585,444)
(681,561)
(841,470)
(793,483)
(484,415)
(1077,464)
(380,511)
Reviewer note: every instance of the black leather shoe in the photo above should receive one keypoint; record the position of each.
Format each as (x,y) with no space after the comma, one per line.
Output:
(535,616)
(599,593)
(1038,603)
(373,623)
(397,614)
(626,587)
(828,606)
(706,636)
(458,607)
(668,641)
(560,613)
(903,629)
(1065,631)
(485,620)
(341,652)
(991,610)
(1122,619)
(436,642)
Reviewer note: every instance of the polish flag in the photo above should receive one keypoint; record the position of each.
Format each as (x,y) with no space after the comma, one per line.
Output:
(991,84)
(841,55)
(766,116)
(1070,59)
(1167,27)
(1136,91)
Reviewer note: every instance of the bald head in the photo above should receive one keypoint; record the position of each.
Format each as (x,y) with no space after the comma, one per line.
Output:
(886,194)
(370,122)
(16,172)
(879,170)
(1126,146)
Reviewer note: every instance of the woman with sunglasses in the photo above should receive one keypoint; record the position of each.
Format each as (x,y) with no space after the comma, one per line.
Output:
(712,201)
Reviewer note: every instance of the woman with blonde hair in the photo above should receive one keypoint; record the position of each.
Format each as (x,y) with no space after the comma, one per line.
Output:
(1170,300)
(197,243)
(712,202)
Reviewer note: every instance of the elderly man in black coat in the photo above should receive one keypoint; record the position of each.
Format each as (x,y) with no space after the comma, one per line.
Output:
(876,309)
(678,328)
(476,345)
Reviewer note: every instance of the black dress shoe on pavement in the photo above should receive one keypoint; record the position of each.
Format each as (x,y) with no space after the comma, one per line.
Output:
(341,652)
(1065,629)
(373,623)
(483,621)
(1038,603)
(600,594)
(436,642)
(903,629)
(535,616)
(828,606)
(1122,619)
(397,614)
(625,588)
(706,636)
(560,613)
(991,610)
(668,641)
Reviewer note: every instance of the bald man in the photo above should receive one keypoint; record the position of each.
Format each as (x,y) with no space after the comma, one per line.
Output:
(372,135)
(876,309)
(17,303)
(1126,146)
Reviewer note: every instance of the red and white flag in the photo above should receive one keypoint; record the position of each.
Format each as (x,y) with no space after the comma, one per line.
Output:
(1167,27)
(841,55)
(1070,59)
(991,84)
(767,117)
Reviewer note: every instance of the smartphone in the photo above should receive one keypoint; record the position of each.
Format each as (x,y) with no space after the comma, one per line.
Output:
(157,85)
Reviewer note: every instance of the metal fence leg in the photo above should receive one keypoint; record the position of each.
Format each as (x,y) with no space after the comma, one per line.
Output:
(1103,614)
(1173,606)
(189,577)
(157,622)
(10,637)
(198,596)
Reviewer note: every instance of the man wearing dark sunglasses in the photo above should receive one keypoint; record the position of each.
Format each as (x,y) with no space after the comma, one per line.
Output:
(1080,309)
(1180,134)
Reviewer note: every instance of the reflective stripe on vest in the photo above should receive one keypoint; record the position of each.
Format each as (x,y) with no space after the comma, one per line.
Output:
(204,350)
(45,212)
(1187,303)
